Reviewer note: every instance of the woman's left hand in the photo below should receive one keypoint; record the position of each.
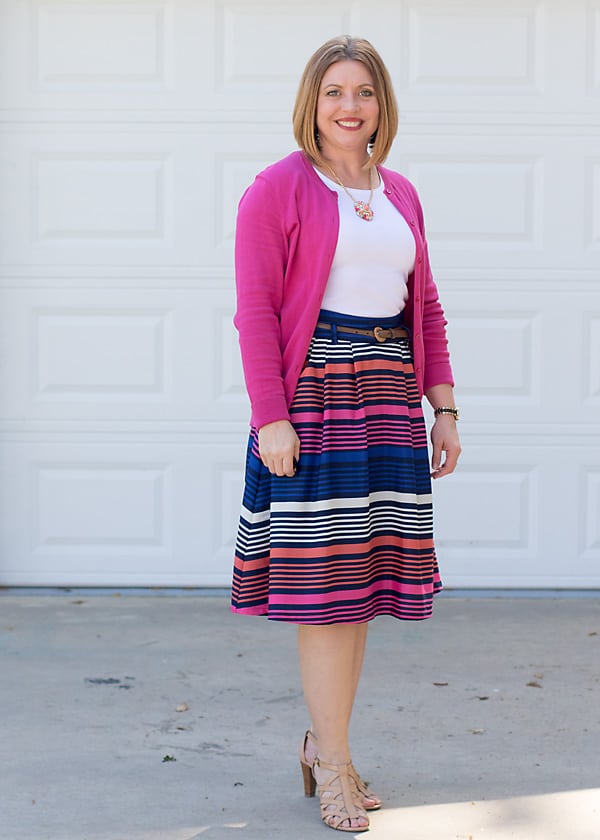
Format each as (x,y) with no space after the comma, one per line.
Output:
(444,438)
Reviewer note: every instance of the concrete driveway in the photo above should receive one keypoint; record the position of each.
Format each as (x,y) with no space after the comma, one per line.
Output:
(163,717)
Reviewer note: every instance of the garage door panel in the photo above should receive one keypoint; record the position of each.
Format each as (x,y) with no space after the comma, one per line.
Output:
(507,199)
(506,522)
(90,202)
(489,60)
(87,508)
(591,359)
(592,202)
(116,355)
(511,59)
(243,53)
(98,55)
(129,199)
(496,353)
(452,189)
(98,512)
(593,47)
(281,33)
(513,354)
(589,507)
(521,514)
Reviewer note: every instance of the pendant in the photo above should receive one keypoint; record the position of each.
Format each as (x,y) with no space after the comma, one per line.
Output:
(363,211)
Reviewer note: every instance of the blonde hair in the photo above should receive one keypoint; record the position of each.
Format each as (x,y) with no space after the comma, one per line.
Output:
(304,121)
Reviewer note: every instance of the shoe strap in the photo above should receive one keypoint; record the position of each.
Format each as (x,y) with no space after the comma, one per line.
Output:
(302,750)
(346,783)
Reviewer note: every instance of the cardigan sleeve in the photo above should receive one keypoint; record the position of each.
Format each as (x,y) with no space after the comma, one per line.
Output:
(261,251)
(438,370)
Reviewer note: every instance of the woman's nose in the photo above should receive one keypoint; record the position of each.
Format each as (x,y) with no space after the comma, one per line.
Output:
(350,102)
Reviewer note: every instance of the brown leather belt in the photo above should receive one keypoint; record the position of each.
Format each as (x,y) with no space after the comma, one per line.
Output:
(380,334)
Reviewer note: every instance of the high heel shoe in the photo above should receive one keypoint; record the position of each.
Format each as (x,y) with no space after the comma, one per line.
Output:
(339,798)
(370,802)
(310,784)
(363,788)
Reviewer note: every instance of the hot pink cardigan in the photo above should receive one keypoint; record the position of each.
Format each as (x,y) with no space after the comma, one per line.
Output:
(286,235)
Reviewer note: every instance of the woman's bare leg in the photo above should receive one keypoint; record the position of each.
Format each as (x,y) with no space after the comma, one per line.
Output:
(330,663)
(359,650)
(360,638)
(359,653)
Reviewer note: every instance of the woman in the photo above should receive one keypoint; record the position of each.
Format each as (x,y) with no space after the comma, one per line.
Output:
(341,334)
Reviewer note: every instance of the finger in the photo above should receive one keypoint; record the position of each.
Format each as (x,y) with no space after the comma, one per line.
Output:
(449,464)
(271,464)
(288,465)
(451,459)
(440,472)
(436,456)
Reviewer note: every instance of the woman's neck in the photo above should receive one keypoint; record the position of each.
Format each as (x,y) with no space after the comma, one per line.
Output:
(352,171)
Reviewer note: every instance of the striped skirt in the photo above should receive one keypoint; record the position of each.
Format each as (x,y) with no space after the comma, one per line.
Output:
(350,536)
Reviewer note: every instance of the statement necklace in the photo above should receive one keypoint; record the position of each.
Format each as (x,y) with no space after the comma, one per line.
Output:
(362,209)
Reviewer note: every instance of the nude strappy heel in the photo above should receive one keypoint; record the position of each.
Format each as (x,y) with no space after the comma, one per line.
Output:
(363,789)
(339,798)
(310,784)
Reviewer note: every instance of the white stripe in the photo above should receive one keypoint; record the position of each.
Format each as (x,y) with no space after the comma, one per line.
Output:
(360,502)
(252,517)
(364,514)
(345,535)
(371,523)
(395,524)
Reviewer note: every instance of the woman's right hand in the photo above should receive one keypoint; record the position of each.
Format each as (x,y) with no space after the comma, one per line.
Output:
(278,445)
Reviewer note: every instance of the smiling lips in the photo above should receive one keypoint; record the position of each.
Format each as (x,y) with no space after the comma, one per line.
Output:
(349,123)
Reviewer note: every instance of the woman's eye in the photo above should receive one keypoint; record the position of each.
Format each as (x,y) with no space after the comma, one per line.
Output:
(366,93)
(332,93)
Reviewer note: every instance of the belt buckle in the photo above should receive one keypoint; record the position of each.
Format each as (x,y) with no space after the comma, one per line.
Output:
(382,334)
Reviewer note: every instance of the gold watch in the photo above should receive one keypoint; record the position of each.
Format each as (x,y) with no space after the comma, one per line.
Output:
(447,409)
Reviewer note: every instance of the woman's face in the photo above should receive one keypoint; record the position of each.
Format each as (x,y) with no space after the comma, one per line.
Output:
(347,109)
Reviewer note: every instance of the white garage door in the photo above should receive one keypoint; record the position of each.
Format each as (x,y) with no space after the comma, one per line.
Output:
(129,130)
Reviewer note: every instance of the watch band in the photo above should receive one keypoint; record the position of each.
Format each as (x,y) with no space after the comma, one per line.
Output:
(447,409)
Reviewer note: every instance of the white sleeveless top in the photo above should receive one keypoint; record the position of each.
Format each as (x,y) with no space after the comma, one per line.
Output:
(372,259)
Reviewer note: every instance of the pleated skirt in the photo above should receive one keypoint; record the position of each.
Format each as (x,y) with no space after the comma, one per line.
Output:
(350,536)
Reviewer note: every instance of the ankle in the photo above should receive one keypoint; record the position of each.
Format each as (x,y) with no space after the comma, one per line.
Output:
(333,756)
(329,750)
